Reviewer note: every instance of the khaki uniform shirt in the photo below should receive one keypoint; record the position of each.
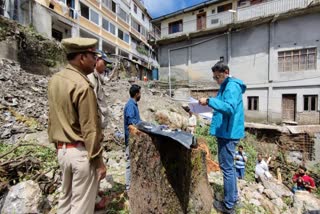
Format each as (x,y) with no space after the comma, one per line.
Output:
(97,83)
(73,111)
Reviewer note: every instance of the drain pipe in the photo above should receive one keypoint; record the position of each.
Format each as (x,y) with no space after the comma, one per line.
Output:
(169,64)
(270,79)
(269,68)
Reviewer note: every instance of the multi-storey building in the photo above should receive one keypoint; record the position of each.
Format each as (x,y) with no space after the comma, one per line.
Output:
(272,45)
(122,27)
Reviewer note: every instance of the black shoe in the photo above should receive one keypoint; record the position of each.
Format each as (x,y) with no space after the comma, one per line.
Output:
(238,204)
(220,206)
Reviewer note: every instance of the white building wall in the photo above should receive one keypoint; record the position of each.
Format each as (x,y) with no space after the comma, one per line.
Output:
(138,16)
(253,57)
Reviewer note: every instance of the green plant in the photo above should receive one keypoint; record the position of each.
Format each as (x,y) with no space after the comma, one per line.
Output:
(248,144)
(142,50)
(288,201)
(317,192)
(45,155)
(212,141)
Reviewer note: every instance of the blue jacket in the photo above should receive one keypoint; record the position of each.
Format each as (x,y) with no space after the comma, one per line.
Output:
(228,115)
(131,117)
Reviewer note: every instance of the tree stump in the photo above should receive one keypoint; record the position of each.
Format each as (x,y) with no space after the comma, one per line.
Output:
(166,177)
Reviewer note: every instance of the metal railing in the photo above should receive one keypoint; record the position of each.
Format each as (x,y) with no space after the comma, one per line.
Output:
(136,52)
(212,21)
(270,8)
(241,14)
(155,33)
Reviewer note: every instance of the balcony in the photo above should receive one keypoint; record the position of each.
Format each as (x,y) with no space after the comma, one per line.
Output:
(139,51)
(61,8)
(270,8)
(154,34)
(240,15)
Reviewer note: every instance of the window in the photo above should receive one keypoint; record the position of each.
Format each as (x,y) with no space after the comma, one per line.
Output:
(89,13)
(253,103)
(112,29)
(135,9)
(126,38)
(225,7)
(123,36)
(214,21)
(123,15)
(120,34)
(105,24)
(175,27)
(135,25)
(143,31)
(94,16)
(84,10)
(297,60)
(108,26)
(105,3)
(58,35)
(113,7)
(142,16)
(310,102)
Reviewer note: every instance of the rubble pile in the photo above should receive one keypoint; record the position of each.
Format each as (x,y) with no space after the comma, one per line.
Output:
(23,119)
(155,106)
(270,196)
(23,100)
(24,104)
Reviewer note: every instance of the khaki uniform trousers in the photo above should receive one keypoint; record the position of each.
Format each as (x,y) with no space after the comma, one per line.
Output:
(79,182)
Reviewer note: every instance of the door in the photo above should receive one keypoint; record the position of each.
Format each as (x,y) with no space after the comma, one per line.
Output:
(201,21)
(289,107)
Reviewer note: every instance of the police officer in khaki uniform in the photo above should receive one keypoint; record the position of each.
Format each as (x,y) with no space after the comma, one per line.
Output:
(97,82)
(75,128)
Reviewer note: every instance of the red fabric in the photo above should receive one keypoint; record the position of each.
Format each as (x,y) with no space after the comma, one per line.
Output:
(69,145)
(305,180)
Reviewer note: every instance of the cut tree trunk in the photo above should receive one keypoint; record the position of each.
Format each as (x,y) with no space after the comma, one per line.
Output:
(166,177)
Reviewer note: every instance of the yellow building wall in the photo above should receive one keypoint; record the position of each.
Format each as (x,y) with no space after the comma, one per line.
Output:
(108,36)
(123,44)
(124,25)
(89,25)
(95,3)
(85,23)
(109,14)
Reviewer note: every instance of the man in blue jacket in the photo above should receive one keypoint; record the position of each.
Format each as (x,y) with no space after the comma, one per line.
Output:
(228,126)
(131,117)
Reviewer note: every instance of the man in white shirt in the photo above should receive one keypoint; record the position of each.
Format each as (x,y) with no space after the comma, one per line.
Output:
(262,169)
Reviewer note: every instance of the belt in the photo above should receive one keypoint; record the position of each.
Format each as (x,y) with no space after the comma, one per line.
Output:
(69,145)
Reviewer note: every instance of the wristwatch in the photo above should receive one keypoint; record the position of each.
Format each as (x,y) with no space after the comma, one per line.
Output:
(207,101)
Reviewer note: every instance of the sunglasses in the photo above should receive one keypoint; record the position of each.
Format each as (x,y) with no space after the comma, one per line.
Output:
(217,77)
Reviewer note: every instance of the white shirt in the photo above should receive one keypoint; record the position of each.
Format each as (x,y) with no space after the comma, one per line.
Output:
(261,168)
